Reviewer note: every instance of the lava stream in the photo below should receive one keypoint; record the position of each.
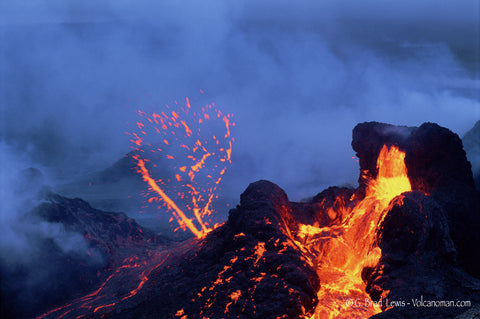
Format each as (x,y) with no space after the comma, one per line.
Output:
(115,289)
(342,251)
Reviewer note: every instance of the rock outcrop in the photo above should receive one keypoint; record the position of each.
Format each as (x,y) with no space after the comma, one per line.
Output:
(437,166)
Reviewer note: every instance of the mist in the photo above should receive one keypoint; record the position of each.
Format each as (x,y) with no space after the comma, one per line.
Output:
(33,251)
(296,76)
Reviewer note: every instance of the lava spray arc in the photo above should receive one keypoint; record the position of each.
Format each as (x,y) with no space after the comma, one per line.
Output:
(197,145)
(343,249)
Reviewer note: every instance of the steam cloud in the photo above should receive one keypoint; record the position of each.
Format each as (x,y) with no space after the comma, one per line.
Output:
(29,246)
(20,232)
(297,76)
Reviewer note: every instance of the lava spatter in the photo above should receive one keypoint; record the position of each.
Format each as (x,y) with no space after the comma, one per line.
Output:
(197,146)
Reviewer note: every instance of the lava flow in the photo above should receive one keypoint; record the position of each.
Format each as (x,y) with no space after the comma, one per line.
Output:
(342,250)
(198,147)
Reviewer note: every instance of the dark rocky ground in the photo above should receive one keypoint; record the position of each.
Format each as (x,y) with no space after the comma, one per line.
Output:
(56,271)
(251,267)
(471,144)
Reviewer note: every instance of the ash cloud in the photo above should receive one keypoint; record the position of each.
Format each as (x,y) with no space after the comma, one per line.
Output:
(297,77)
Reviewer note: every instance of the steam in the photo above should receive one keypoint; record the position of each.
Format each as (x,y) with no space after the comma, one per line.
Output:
(33,252)
(17,198)
(297,77)
(20,231)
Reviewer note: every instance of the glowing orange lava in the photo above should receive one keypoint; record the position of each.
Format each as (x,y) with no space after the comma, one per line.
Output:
(340,252)
(102,300)
(198,157)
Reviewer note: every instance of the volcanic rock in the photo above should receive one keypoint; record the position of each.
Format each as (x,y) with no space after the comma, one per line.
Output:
(109,232)
(418,260)
(436,165)
(471,143)
(434,155)
(368,139)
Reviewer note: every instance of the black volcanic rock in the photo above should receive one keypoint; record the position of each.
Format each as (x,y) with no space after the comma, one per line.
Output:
(264,208)
(435,159)
(471,143)
(120,187)
(416,248)
(436,165)
(434,155)
(418,261)
(415,222)
(368,139)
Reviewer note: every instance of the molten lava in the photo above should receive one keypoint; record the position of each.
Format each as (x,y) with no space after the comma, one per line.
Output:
(103,300)
(342,250)
(194,152)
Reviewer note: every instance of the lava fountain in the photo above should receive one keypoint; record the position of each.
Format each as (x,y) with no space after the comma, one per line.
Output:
(341,251)
(197,147)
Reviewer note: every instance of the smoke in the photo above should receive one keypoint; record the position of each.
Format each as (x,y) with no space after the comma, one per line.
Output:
(297,76)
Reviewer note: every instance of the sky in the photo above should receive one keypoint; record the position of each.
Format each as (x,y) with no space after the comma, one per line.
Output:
(297,76)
